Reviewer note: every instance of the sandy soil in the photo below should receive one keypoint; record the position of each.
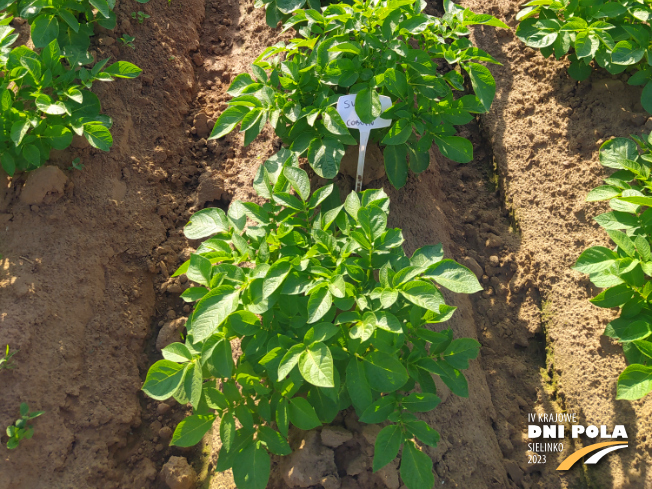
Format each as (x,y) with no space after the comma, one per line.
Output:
(84,274)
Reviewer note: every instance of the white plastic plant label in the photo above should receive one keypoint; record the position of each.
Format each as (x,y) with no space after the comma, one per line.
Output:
(346,109)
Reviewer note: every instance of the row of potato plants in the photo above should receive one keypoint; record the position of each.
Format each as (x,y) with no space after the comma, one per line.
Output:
(624,271)
(368,49)
(329,311)
(45,94)
(615,35)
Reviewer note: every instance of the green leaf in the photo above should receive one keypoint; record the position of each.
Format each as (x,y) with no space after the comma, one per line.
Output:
(177,352)
(275,277)
(282,416)
(58,136)
(419,161)
(221,359)
(416,468)
(205,223)
(646,98)
(613,297)
(358,386)
(324,155)
(227,431)
(396,83)
(193,294)
(212,310)
(334,124)
(388,443)
(623,241)
(399,133)
(455,148)
(31,153)
(634,383)
(316,365)
(45,29)
(423,432)
(421,402)
(251,468)
(244,323)
(628,329)
(227,121)
(422,294)
(384,372)
(367,105)
(299,181)
(163,379)
(460,351)
(627,53)
(453,276)
(191,430)
(535,33)
(302,414)
(427,255)
(614,151)
(216,400)
(18,131)
(395,159)
(586,45)
(379,411)
(384,320)
(320,332)
(595,259)
(290,360)
(123,69)
(483,83)
(289,6)
(274,441)
(200,269)
(98,136)
(102,6)
(319,304)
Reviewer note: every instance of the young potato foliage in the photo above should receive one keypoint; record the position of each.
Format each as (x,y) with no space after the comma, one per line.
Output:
(369,49)
(280,10)
(68,22)
(614,34)
(45,98)
(624,271)
(329,312)
(20,430)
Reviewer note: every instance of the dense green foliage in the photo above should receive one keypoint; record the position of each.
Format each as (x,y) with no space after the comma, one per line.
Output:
(70,22)
(625,271)
(280,10)
(20,430)
(45,94)
(330,313)
(614,34)
(369,49)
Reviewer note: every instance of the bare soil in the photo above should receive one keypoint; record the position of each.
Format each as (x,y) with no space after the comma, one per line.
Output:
(84,274)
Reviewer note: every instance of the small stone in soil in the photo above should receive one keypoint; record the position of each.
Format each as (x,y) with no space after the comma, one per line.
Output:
(178,473)
(334,436)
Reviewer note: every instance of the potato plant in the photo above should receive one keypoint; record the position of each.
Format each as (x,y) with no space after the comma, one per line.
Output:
(69,22)
(369,49)
(329,312)
(613,34)
(280,10)
(43,101)
(45,95)
(21,430)
(624,271)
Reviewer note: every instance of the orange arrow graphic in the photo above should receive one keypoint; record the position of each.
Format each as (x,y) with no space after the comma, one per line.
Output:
(571,459)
